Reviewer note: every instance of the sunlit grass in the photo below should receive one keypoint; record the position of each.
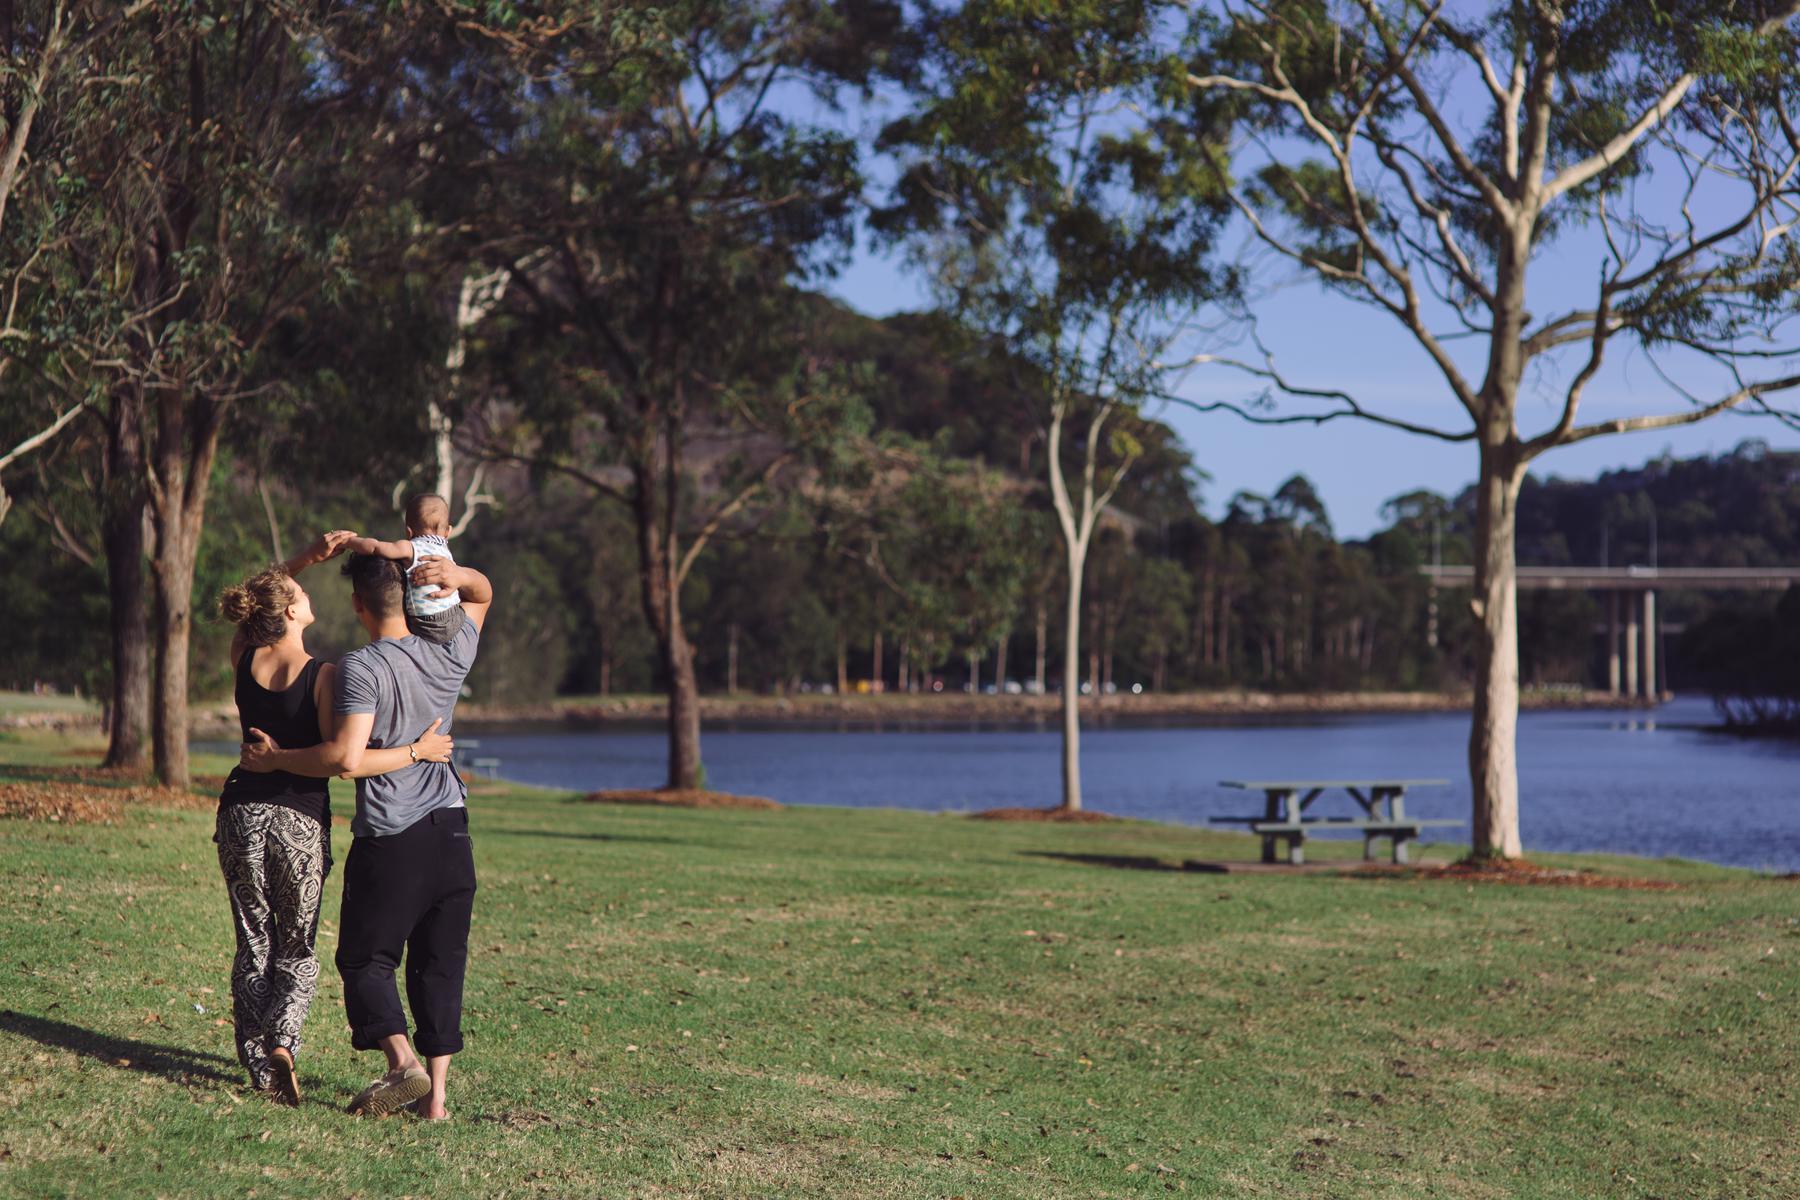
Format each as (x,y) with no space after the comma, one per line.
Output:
(823,1002)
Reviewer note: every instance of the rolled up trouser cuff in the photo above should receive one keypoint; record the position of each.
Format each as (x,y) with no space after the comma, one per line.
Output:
(437,1047)
(368,1037)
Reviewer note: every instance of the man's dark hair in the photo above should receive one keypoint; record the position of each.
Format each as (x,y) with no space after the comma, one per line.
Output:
(380,583)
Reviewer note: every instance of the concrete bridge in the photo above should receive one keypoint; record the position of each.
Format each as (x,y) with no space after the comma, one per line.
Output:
(1631,669)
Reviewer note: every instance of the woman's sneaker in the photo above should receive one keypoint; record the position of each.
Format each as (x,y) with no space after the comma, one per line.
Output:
(394,1090)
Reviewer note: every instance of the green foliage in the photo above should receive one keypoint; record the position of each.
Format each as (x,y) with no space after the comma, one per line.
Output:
(952,554)
(1056,227)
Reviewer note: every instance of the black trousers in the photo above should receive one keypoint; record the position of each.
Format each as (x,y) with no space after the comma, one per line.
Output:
(411,891)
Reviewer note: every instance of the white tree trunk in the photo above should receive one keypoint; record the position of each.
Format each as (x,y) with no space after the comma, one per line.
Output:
(1493,732)
(1071,674)
(478,297)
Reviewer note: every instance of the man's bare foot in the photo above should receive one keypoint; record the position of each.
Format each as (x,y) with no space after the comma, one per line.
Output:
(425,1110)
(285,1083)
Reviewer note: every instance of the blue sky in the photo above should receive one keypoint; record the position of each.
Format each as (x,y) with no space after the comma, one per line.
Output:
(1357,466)
(1326,341)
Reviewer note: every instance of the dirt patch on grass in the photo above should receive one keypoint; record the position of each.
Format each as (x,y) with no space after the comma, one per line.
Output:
(63,803)
(182,798)
(1083,816)
(847,1087)
(71,797)
(680,798)
(1519,871)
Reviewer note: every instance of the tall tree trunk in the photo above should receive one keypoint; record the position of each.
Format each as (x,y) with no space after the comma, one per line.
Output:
(1222,639)
(974,673)
(187,441)
(1043,634)
(1493,733)
(877,683)
(843,663)
(1203,621)
(172,580)
(660,590)
(731,659)
(122,537)
(1000,666)
(904,682)
(606,666)
(1071,676)
(684,710)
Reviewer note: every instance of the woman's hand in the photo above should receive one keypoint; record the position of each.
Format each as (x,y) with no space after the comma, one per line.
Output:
(329,545)
(254,755)
(433,746)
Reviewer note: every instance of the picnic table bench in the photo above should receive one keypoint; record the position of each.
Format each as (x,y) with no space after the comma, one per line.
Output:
(1285,801)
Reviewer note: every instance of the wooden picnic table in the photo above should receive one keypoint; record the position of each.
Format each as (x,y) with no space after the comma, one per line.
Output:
(1285,804)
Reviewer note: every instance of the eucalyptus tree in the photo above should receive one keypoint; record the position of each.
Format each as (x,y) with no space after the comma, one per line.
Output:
(53,56)
(46,65)
(1423,161)
(209,207)
(1058,213)
(674,200)
(951,551)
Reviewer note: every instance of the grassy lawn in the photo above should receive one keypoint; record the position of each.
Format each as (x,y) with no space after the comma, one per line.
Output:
(865,1004)
(26,702)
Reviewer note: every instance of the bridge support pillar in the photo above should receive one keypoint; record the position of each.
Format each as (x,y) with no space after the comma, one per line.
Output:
(1631,649)
(1612,642)
(1652,692)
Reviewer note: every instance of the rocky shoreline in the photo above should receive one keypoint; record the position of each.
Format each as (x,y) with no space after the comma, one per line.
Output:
(902,709)
(216,719)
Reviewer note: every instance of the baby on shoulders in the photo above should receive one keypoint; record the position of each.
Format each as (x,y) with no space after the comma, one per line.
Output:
(432,613)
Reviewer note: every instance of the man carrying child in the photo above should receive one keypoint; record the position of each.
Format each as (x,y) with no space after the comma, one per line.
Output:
(409,881)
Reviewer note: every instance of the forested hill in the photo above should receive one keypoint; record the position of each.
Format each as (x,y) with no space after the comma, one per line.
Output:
(1734,510)
(945,554)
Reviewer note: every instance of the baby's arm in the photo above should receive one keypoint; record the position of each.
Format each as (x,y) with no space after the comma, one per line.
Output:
(401,551)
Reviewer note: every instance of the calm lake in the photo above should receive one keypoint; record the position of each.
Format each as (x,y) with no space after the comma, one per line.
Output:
(1656,784)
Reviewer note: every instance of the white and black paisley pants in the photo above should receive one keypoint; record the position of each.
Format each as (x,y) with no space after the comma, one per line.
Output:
(275,862)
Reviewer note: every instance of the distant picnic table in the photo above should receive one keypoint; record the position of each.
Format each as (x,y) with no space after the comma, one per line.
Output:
(1285,817)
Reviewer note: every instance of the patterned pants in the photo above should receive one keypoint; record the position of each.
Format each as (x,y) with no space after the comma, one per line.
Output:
(275,862)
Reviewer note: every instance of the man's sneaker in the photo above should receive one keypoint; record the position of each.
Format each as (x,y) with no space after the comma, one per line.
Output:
(284,1085)
(394,1090)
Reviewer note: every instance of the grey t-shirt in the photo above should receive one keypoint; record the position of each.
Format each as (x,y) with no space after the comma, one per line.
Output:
(407,683)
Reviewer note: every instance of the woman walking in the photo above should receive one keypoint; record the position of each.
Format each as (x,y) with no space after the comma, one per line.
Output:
(274,828)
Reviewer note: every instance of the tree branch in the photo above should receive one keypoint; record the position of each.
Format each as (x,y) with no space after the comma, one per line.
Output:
(726,511)
(40,437)
(1621,144)
(1673,420)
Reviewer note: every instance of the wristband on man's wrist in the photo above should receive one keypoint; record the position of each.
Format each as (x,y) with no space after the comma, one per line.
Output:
(413,749)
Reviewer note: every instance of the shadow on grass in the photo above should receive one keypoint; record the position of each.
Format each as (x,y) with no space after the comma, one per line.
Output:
(581,837)
(1125,862)
(175,1065)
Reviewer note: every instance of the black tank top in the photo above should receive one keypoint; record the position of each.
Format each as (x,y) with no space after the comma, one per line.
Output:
(291,717)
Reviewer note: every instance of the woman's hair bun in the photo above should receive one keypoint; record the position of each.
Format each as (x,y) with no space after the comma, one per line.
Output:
(258,606)
(236,604)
